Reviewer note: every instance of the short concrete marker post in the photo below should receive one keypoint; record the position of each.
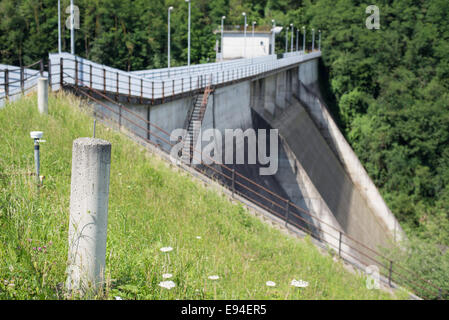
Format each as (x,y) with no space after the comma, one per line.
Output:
(91,164)
(42,95)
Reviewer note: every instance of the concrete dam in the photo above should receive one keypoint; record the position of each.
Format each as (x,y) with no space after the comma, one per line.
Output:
(320,186)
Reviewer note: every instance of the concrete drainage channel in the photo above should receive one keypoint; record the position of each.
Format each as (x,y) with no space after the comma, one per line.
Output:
(253,209)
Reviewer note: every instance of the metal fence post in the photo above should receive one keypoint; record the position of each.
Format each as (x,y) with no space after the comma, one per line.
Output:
(116,85)
(104,80)
(129,88)
(7,83)
(390,273)
(41,67)
(22,79)
(61,73)
(90,77)
(287,212)
(141,91)
(339,243)
(233,182)
(76,73)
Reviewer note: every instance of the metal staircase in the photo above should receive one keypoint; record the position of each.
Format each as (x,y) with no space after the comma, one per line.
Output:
(193,124)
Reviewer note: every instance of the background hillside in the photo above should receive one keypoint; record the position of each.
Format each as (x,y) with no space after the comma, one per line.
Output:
(388,88)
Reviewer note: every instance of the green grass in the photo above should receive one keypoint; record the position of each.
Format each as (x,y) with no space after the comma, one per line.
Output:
(150,206)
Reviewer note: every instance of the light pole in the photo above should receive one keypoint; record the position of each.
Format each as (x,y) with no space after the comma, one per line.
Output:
(273,46)
(72,28)
(244,32)
(313,39)
(188,36)
(221,41)
(286,40)
(254,45)
(168,54)
(59,26)
(293,33)
(319,40)
(304,40)
(297,39)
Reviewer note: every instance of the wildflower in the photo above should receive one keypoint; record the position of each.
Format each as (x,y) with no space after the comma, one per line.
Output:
(299,284)
(166,249)
(34,248)
(214,277)
(271,283)
(50,243)
(198,237)
(167,275)
(29,240)
(167,284)
(39,249)
(118,298)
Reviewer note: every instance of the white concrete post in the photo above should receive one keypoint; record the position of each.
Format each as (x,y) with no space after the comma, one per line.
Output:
(91,163)
(42,95)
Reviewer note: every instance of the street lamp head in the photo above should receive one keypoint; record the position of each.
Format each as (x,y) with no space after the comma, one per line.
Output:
(304,27)
(224,17)
(170,8)
(187,0)
(291,25)
(244,14)
(254,22)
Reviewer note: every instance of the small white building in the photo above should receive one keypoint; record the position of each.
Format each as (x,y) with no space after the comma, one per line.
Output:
(235,47)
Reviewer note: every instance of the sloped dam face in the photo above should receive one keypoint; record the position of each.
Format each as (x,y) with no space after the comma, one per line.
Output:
(318,184)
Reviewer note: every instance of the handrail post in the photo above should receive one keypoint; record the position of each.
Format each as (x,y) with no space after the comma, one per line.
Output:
(141,91)
(173,88)
(116,86)
(129,88)
(61,73)
(233,182)
(22,80)
(50,80)
(152,92)
(104,80)
(90,77)
(76,73)
(163,89)
(287,212)
(41,67)
(339,243)
(7,84)
(390,273)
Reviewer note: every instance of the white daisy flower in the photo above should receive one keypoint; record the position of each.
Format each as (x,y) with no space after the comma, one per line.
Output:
(167,275)
(271,283)
(214,277)
(198,237)
(166,249)
(299,284)
(118,298)
(167,284)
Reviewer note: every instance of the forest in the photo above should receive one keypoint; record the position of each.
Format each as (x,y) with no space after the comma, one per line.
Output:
(388,89)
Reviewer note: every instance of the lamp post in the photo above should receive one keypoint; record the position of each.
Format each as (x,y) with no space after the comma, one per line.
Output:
(319,40)
(244,32)
(254,45)
(221,41)
(286,40)
(293,32)
(273,45)
(72,28)
(59,26)
(304,40)
(188,36)
(168,53)
(297,39)
(313,39)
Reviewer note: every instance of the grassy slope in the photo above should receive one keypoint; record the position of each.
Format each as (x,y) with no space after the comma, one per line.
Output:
(150,206)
